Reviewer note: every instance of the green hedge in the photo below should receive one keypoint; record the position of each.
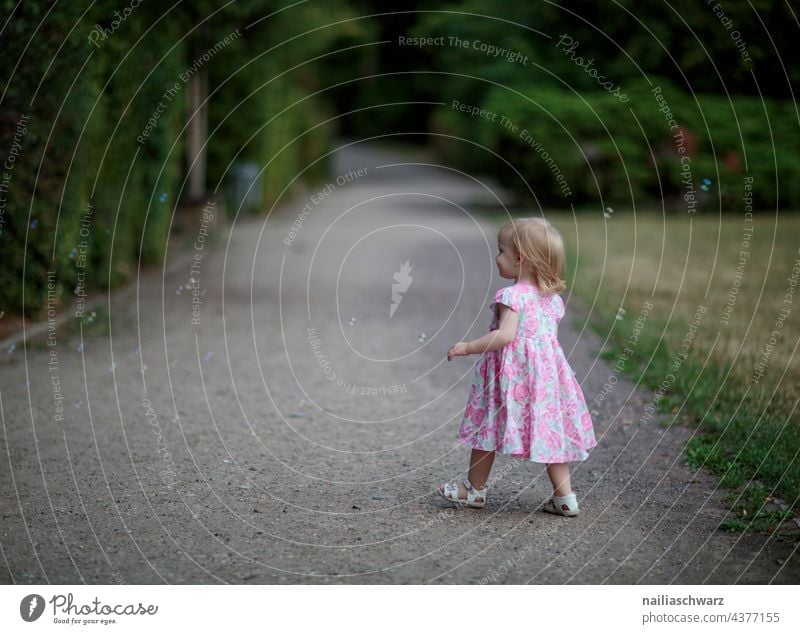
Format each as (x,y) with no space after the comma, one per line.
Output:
(81,150)
(239,116)
(122,179)
(80,146)
(597,145)
(36,188)
(262,96)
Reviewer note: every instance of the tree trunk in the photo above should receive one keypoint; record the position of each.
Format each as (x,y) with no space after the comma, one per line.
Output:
(197,115)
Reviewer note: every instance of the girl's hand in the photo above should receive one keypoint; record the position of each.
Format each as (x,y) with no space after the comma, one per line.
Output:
(458,350)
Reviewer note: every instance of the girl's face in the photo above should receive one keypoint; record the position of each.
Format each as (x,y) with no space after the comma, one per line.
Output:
(507,259)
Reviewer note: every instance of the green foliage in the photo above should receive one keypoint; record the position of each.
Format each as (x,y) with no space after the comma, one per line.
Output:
(39,196)
(88,102)
(692,45)
(263,110)
(703,59)
(129,81)
(628,152)
(105,90)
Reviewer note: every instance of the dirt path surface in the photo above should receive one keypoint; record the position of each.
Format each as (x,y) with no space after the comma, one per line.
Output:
(296,432)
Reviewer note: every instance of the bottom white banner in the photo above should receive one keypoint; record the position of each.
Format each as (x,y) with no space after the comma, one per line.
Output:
(116,608)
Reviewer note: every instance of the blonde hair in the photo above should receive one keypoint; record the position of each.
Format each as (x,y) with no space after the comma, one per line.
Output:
(541,251)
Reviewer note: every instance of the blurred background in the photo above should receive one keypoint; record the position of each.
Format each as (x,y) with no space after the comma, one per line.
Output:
(220,114)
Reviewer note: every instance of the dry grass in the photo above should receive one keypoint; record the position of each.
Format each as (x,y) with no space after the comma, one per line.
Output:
(680,262)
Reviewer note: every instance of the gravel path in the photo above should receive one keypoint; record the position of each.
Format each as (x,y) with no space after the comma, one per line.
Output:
(296,432)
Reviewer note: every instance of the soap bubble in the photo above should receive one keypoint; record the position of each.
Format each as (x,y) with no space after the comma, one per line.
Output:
(207,356)
(11,348)
(422,337)
(607,213)
(72,254)
(352,321)
(80,347)
(163,197)
(620,313)
(112,367)
(705,184)
(34,223)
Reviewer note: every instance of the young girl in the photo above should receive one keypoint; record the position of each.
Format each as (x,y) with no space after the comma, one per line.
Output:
(524,401)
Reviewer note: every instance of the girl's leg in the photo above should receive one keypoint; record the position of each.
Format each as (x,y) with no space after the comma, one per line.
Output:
(559,476)
(480,464)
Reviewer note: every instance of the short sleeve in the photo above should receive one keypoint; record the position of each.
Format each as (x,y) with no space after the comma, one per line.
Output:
(560,308)
(509,297)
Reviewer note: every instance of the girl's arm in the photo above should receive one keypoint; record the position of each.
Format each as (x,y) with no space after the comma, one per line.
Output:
(506,333)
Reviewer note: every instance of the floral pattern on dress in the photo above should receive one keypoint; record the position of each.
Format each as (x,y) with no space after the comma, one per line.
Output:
(524,400)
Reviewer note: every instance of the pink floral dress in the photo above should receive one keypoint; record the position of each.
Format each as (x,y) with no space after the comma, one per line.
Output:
(525,401)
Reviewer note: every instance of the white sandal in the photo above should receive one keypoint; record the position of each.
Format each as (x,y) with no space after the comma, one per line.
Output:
(476,498)
(568,505)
